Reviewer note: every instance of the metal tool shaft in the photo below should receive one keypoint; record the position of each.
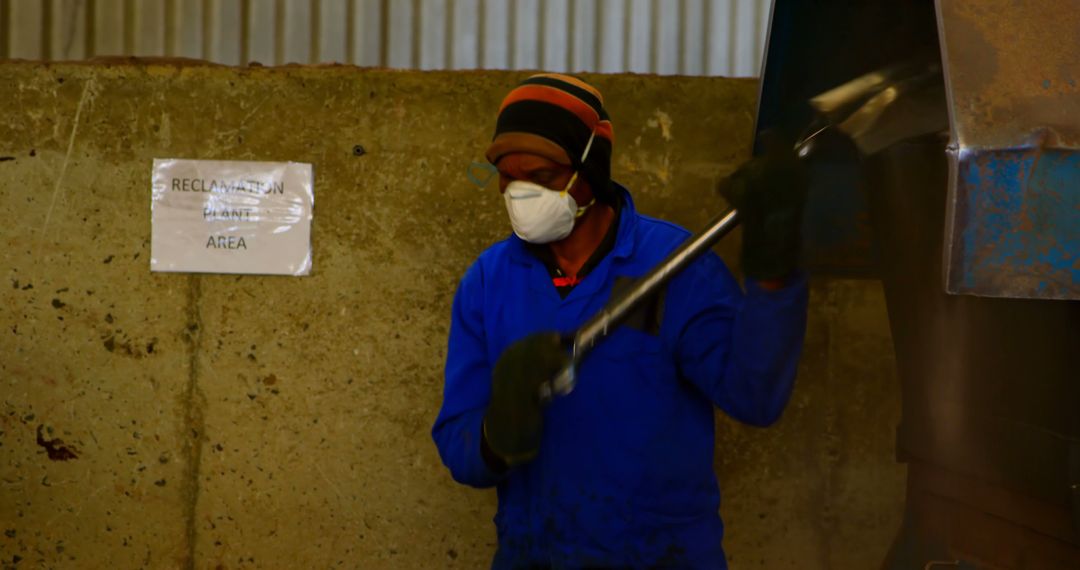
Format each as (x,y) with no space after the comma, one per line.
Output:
(618,309)
(854,109)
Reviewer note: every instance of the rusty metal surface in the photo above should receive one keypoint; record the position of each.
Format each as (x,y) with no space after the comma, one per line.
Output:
(1013,74)
(989,391)
(946,521)
(1013,69)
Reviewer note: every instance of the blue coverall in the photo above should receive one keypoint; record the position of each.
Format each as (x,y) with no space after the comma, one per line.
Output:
(624,476)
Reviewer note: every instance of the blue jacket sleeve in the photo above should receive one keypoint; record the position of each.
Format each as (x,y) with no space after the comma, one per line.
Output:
(740,349)
(467,391)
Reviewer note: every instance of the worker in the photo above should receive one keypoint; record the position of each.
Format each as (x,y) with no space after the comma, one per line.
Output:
(618,473)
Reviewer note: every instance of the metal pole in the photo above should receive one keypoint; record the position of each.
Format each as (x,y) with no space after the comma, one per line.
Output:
(618,309)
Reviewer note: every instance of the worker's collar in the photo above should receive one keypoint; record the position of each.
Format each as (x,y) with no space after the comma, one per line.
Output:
(624,242)
(607,245)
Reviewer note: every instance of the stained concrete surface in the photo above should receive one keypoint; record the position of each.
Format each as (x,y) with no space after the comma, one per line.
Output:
(222,421)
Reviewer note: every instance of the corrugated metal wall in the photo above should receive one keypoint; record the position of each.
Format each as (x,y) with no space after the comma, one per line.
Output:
(691,37)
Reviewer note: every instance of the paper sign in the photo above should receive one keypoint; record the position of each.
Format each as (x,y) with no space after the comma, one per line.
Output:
(228,216)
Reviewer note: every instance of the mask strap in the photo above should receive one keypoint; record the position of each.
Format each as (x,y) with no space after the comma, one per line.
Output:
(569,185)
(581,210)
(588,146)
(584,155)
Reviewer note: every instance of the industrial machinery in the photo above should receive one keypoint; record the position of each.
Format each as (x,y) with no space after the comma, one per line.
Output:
(975,233)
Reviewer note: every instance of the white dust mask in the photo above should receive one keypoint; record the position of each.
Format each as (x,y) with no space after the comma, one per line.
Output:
(542,215)
(539,215)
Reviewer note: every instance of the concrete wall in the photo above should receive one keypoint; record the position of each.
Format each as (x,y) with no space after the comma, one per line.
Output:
(219,421)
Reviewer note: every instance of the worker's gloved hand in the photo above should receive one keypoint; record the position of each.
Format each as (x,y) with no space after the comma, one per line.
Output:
(769,192)
(514,418)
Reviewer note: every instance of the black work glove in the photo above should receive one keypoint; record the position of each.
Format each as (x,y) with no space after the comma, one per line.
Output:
(769,192)
(514,418)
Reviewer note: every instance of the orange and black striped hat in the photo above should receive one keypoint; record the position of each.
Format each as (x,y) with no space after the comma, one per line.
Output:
(553,115)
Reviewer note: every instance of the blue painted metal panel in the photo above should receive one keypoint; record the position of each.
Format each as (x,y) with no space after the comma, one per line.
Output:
(1016,223)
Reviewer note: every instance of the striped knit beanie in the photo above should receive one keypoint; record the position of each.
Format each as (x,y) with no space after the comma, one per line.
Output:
(553,115)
